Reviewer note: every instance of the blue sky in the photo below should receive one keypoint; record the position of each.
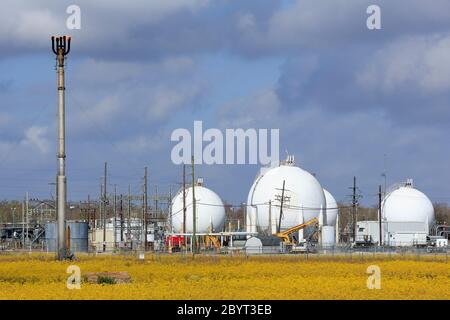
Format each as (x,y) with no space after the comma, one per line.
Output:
(342,96)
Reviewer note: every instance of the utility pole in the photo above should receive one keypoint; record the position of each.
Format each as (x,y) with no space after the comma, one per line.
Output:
(355,208)
(104,205)
(156,202)
(61,48)
(194,209)
(115,215)
(184,199)
(100,204)
(129,212)
(27,201)
(380,241)
(385,172)
(89,211)
(145,207)
(170,210)
(23,224)
(94,217)
(281,206)
(282,199)
(270,217)
(121,218)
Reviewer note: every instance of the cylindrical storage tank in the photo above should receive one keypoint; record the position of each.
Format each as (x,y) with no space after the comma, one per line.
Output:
(50,236)
(253,245)
(407,204)
(78,236)
(332,208)
(304,199)
(328,236)
(210,211)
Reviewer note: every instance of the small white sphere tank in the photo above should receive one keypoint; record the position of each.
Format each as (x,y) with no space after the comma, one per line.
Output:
(304,198)
(332,208)
(407,204)
(210,211)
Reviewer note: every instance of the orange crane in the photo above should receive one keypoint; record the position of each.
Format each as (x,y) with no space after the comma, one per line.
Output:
(284,235)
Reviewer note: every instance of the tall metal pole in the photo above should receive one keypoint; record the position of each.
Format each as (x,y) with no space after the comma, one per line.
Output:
(121,218)
(354,209)
(100,218)
(145,207)
(194,211)
(156,202)
(270,218)
(380,239)
(104,205)
(184,198)
(115,215)
(27,212)
(61,48)
(281,206)
(23,224)
(170,209)
(129,212)
(89,211)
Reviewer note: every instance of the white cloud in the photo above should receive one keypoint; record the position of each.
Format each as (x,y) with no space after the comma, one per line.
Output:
(421,62)
(35,138)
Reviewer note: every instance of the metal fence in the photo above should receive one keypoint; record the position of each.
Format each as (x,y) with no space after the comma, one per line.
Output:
(312,252)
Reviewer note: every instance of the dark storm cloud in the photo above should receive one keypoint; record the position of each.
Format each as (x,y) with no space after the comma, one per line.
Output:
(408,78)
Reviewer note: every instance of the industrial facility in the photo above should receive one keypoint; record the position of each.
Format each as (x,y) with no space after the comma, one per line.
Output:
(287,211)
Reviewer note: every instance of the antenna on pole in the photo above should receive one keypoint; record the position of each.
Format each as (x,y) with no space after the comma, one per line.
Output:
(61,48)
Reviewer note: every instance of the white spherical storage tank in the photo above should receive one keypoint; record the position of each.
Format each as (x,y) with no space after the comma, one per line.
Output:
(407,204)
(332,208)
(210,211)
(303,199)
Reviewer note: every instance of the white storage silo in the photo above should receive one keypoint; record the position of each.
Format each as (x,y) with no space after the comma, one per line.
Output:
(303,199)
(328,227)
(332,208)
(407,204)
(328,236)
(210,211)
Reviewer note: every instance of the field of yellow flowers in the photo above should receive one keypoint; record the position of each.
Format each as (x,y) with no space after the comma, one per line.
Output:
(38,276)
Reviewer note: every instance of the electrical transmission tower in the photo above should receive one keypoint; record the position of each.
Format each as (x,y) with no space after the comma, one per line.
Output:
(355,196)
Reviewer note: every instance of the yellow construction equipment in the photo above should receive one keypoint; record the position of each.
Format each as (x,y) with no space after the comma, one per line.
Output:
(211,239)
(284,235)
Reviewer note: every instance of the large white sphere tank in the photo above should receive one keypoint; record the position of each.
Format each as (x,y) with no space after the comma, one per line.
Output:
(407,204)
(210,211)
(332,208)
(304,198)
